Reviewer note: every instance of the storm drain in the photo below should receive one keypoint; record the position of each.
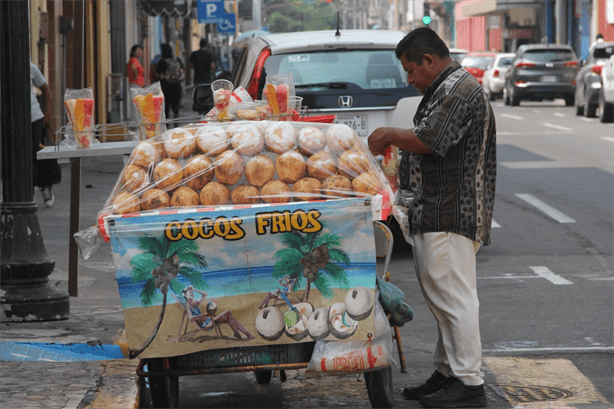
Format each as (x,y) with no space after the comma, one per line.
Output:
(525,394)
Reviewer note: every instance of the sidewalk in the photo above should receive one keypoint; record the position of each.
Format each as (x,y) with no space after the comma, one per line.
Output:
(49,373)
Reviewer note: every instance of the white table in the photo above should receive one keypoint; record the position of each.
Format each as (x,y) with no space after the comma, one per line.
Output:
(74,156)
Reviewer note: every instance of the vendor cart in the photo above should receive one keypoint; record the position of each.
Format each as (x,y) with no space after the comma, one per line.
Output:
(257,226)
(163,374)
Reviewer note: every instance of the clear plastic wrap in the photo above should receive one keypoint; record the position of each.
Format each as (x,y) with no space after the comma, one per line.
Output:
(228,101)
(79,104)
(247,163)
(149,103)
(280,93)
(348,357)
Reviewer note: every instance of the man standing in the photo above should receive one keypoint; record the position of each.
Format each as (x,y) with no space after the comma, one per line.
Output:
(202,63)
(44,171)
(448,170)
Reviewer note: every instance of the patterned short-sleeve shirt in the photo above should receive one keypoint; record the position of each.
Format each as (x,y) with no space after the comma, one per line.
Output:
(452,190)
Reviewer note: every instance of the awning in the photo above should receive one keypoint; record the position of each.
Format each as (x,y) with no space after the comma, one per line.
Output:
(171,8)
(485,7)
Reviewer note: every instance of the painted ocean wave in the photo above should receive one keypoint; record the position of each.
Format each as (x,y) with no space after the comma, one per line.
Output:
(233,282)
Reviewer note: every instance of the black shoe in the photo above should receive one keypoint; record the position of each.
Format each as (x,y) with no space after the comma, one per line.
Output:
(436,382)
(456,395)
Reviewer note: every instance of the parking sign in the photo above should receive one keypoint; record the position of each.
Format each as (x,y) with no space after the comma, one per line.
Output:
(211,11)
(228,25)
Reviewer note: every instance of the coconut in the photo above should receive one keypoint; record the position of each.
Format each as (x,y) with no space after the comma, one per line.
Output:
(126,203)
(185,197)
(298,331)
(359,303)
(317,324)
(341,328)
(270,323)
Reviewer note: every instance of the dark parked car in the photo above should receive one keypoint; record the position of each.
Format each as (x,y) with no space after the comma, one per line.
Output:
(541,72)
(353,74)
(588,79)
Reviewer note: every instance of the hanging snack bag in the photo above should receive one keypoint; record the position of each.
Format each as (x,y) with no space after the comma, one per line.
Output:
(79,105)
(278,90)
(149,103)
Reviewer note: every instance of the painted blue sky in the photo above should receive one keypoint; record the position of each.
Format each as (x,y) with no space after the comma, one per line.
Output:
(348,218)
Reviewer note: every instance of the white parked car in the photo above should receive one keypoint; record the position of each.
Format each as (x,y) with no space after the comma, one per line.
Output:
(606,94)
(493,80)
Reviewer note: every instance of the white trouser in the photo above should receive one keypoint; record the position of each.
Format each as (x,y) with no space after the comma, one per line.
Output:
(445,266)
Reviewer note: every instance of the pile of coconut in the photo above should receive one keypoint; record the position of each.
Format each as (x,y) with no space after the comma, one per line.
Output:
(301,320)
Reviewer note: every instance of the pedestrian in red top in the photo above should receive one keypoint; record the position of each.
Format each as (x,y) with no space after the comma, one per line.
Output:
(136,76)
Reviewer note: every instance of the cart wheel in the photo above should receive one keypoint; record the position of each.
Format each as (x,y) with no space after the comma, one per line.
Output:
(263,377)
(379,388)
(164,389)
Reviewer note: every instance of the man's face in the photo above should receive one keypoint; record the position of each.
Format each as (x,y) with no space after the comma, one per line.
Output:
(420,76)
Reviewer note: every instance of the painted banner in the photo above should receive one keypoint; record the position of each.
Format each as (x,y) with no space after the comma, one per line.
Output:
(198,279)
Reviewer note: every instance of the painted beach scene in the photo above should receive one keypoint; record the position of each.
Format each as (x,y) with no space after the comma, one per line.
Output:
(197,280)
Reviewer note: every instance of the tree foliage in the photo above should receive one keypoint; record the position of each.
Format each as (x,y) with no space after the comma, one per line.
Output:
(299,15)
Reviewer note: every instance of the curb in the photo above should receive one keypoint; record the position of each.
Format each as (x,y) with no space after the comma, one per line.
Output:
(118,387)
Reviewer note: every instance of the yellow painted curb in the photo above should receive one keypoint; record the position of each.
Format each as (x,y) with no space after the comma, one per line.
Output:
(544,383)
(118,386)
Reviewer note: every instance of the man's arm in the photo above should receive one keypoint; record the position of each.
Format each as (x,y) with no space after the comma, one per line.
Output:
(404,139)
(47,97)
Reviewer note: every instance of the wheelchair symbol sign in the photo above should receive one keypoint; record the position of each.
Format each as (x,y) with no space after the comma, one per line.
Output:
(227,23)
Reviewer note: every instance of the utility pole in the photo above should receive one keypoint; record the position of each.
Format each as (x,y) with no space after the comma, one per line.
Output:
(25,292)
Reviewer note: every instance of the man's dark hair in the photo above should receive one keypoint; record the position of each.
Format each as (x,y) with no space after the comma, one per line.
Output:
(167,50)
(203,42)
(420,41)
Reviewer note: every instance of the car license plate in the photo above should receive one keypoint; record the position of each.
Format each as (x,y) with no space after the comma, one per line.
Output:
(549,78)
(358,123)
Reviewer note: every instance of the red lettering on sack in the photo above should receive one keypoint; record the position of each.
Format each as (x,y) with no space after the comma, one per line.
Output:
(323,364)
(372,359)
(350,362)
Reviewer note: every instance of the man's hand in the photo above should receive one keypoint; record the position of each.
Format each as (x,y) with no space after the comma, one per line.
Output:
(378,141)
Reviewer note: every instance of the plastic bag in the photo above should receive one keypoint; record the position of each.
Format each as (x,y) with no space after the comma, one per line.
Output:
(79,104)
(279,92)
(403,201)
(348,357)
(149,103)
(226,105)
(88,240)
(391,298)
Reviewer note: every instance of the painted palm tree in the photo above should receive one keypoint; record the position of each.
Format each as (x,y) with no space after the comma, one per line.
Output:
(160,262)
(304,250)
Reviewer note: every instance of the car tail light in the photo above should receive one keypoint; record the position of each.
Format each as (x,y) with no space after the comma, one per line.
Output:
(520,83)
(252,88)
(524,65)
(571,64)
(597,69)
(496,73)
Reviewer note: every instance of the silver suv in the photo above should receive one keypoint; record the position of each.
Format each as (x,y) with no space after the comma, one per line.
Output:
(541,72)
(353,74)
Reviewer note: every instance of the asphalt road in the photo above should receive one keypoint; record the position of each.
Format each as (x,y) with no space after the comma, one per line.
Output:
(545,284)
